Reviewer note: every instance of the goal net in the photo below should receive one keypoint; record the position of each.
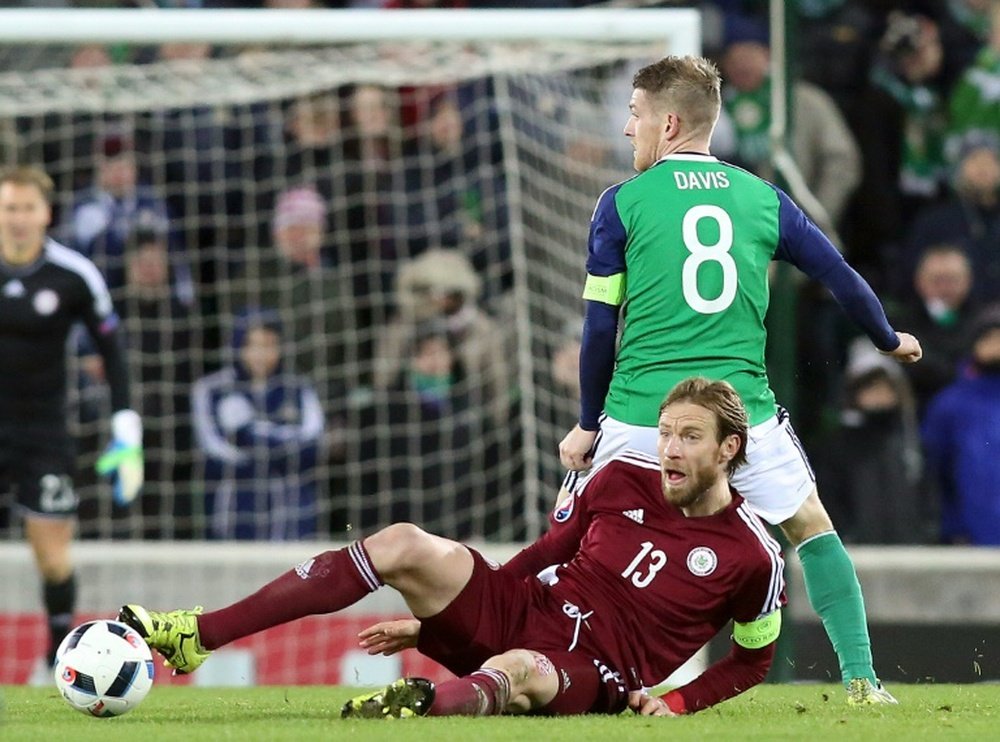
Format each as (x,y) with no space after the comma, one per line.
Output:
(405,221)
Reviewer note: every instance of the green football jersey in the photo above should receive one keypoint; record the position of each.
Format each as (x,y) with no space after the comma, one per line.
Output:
(685,247)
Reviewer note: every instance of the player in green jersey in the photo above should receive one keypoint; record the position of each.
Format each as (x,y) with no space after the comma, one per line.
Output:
(680,254)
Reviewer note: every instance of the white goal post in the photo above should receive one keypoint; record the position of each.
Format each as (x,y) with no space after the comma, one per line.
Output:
(539,93)
(678,28)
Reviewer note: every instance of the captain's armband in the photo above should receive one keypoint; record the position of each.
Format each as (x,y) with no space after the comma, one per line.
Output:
(758,633)
(605,289)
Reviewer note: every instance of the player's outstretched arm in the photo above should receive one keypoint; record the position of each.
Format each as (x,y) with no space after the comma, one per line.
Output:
(908,351)
(735,673)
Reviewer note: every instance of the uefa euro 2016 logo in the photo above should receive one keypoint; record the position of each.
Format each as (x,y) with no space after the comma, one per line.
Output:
(564,509)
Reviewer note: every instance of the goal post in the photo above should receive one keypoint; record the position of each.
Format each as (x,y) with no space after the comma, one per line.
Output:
(679,29)
(483,135)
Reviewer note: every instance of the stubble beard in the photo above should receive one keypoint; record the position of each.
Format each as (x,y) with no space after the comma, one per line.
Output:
(697,485)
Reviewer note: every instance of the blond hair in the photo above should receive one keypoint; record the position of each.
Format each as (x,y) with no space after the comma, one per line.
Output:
(719,398)
(690,86)
(29,175)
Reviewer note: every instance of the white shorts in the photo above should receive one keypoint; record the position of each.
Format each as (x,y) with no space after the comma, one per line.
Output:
(776,479)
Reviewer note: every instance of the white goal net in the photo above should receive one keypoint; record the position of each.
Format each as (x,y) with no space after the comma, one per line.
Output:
(408,218)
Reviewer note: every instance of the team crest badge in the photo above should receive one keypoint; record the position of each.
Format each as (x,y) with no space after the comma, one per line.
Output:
(564,509)
(702,561)
(45,302)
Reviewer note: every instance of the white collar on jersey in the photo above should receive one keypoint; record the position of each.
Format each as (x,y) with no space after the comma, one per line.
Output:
(689,157)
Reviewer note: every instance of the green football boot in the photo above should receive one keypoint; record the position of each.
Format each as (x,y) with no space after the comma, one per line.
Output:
(402,699)
(173,634)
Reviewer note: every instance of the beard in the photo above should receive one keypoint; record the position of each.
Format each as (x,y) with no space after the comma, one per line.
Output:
(698,482)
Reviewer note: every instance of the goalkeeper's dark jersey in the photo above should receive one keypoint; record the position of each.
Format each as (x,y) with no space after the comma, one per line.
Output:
(39,305)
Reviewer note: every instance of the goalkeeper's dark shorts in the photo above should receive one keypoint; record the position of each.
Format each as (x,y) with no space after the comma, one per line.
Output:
(497,612)
(36,461)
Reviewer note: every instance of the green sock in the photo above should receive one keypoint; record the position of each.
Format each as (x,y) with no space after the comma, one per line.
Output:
(835,594)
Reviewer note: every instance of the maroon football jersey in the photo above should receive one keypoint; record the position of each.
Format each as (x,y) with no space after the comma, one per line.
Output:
(650,585)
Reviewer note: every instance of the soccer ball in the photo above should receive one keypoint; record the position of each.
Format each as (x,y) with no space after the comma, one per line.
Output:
(103,668)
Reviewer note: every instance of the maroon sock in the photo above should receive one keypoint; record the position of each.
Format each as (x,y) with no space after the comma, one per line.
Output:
(323,584)
(485,692)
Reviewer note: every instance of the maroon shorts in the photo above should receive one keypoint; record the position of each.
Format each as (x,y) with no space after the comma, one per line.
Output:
(496,612)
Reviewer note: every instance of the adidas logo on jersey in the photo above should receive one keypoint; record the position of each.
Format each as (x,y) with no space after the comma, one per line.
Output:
(636,515)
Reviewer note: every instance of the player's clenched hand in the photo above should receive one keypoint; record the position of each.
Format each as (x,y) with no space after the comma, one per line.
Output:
(576,449)
(389,637)
(909,350)
(646,705)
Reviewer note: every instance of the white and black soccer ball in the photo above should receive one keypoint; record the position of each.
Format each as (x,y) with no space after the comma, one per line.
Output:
(103,668)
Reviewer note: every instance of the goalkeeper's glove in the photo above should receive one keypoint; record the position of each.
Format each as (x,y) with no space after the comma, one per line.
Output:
(122,459)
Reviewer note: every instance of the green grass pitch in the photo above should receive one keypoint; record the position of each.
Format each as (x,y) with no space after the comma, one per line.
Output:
(768,712)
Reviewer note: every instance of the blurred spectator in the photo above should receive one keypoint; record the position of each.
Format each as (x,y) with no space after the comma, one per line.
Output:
(158,330)
(374,184)
(974,106)
(870,466)
(106,213)
(312,151)
(970,218)
(419,438)
(9,144)
(901,122)
(203,173)
(313,300)
(821,144)
(961,434)
(560,396)
(456,197)
(940,315)
(566,364)
(90,56)
(259,430)
(441,284)
(834,42)
(965,29)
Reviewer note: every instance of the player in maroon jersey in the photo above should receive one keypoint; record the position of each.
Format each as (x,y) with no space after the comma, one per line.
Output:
(653,559)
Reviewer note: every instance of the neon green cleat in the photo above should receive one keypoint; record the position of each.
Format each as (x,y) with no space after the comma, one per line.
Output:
(863,692)
(173,634)
(402,699)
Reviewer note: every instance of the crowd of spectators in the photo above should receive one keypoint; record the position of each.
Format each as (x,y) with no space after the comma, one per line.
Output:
(350,277)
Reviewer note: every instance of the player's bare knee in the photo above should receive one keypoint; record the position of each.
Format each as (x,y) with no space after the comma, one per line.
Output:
(397,548)
(531,676)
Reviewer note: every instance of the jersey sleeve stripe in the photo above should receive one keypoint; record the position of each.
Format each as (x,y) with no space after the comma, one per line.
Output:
(75,262)
(638,458)
(771,547)
(628,456)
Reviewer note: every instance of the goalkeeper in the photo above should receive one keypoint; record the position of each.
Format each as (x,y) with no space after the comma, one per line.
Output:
(655,557)
(45,289)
